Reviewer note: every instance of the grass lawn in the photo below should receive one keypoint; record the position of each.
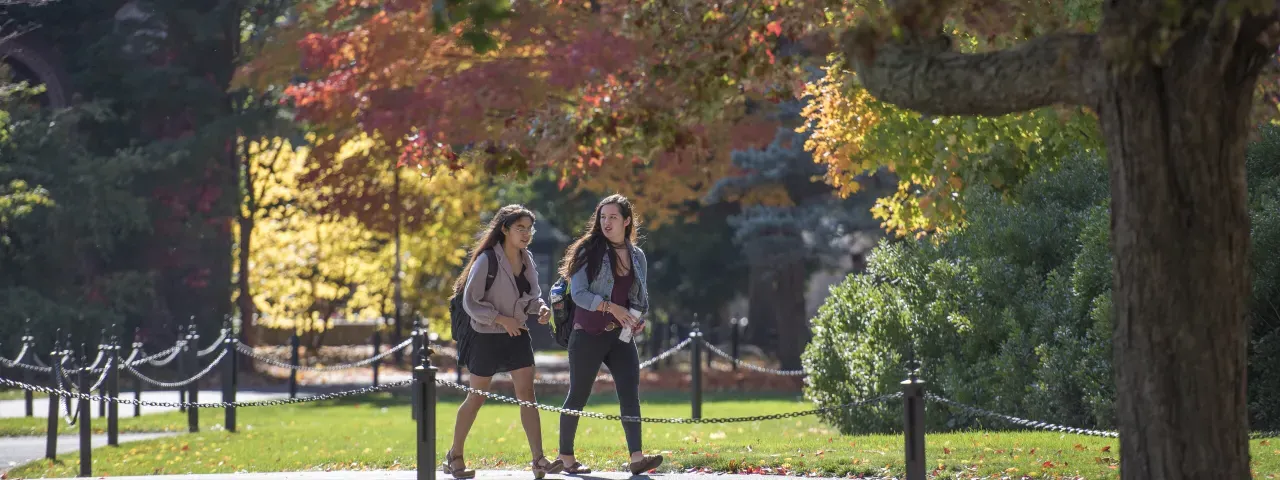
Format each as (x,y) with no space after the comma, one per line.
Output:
(14,394)
(377,433)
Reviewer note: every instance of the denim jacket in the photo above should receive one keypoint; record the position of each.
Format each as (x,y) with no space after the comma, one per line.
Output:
(591,295)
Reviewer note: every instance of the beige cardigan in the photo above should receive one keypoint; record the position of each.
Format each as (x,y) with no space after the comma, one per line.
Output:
(503,297)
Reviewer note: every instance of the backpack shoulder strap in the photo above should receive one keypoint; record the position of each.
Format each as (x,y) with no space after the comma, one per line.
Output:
(493,269)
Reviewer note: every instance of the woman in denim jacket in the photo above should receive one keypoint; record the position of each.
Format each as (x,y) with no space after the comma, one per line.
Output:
(607,274)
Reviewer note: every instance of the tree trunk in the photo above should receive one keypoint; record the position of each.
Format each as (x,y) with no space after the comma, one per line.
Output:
(1176,140)
(398,279)
(760,313)
(788,305)
(244,296)
(1173,89)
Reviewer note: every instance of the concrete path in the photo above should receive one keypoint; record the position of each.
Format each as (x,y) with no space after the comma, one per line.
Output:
(16,451)
(412,475)
(40,407)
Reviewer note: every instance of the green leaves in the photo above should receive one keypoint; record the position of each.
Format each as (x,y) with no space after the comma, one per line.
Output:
(479,15)
(937,159)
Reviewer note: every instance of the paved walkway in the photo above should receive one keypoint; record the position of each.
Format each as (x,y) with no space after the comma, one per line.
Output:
(412,475)
(16,451)
(40,407)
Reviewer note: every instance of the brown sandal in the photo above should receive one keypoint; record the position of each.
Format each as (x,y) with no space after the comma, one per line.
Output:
(459,472)
(542,466)
(576,469)
(649,462)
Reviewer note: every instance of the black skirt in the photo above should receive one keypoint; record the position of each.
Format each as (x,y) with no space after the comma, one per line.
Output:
(488,354)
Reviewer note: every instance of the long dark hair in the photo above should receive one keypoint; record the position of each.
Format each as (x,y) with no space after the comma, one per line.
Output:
(491,236)
(591,247)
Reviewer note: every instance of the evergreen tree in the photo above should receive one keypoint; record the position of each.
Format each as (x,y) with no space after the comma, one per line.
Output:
(790,222)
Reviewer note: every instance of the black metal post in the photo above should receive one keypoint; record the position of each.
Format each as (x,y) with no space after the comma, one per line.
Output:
(416,346)
(424,400)
(695,365)
(28,399)
(293,359)
(193,350)
(229,377)
(137,382)
(113,391)
(86,447)
(51,428)
(415,359)
(103,349)
(377,348)
(185,338)
(913,423)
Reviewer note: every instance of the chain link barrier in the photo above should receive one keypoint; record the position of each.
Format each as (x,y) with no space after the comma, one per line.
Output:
(748,366)
(179,383)
(643,365)
(260,403)
(171,352)
(405,383)
(213,347)
(628,418)
(1020,421)
(14,364)
(248,352)
(68,415)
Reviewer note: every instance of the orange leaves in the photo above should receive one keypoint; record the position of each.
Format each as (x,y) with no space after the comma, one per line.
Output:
(839,125)
(774,27)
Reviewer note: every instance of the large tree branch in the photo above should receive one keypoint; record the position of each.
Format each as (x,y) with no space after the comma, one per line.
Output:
(1053,69)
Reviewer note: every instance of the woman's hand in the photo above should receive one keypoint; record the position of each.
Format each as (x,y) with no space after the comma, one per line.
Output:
(544,315)
(511,325)
(625,317)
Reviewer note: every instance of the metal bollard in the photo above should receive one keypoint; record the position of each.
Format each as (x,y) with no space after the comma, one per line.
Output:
(229,379)
(182,367)
(137,382)
(415,346)
(293,371)
(913,425)
(51,428)
(113,391)
(102,389)
(193,351)
(424,400)
(377,347)
(86,446)
(415,359)
(695,366)
(29,344)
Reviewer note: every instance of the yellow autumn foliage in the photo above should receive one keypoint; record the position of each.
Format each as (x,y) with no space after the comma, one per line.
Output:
(307,264)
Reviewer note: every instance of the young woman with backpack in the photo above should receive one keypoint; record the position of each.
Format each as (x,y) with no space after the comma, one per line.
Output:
(607,283)
(491,307)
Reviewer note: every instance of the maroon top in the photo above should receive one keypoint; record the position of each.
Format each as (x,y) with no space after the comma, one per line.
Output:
(595,322)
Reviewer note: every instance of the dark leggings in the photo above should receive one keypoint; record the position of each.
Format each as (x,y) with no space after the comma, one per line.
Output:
(586,353)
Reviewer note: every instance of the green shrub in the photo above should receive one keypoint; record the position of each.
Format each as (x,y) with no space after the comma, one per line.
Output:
(1000,314)
(1013,312)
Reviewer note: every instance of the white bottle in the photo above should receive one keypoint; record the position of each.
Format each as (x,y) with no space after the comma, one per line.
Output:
(626,336)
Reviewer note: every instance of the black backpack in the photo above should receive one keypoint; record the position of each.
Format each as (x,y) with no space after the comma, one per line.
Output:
(460,322)
(562,308)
